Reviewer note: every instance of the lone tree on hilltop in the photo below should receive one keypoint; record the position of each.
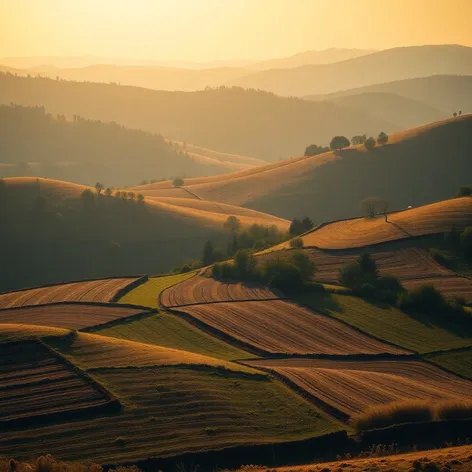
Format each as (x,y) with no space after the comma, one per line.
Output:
(178,182)
(375,205)
(99,187)
(339,142)
(382,139)
(359,139)
(369,143)
(454,114)
(108,192)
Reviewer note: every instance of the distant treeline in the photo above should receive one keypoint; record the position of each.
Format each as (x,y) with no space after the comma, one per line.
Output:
(36,143)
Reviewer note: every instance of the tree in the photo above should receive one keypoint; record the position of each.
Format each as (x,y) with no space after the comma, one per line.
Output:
(232,224)
(296,243)
(369,143)
(245,264)
(382,139)
(131,195)
(372,205)
(296,227)
(454,114)
(208,253)
(359,273)
(99,187)
(178,182)
(108,192)
(359,139)
(460,112)
(140,198)
(307,224)
(339,142)
(314,150)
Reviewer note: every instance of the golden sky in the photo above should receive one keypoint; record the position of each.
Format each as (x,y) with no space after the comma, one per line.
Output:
(206,30)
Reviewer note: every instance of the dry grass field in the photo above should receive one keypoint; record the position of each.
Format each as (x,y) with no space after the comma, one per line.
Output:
(352,386)
(147,294)
(169,411)
(36,383)
(72,316)
(416,333)
(18,332)
(47,187)
(166,330)
(454,459)
(201,289)
(429,219)
(100,290)
(286,328)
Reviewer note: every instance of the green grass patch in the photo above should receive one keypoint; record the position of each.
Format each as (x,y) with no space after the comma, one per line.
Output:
(459,361)
(177,411)
(414,332)
(168,330)
(148,293)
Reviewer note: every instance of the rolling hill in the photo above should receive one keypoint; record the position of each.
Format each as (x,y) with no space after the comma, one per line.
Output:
(76,238)
(447,93)
(383,66)
(248,123)
(416,167)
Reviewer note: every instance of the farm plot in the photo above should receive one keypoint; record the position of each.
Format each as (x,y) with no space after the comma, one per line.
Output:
(415,333)
(175,411)
(102,290)
(66,315)
(448,286)
(429,219)
(36,383)
(168,330)
(16,332)
(281,327)
(204,290)
(352,386)
(458,361)
(148,293)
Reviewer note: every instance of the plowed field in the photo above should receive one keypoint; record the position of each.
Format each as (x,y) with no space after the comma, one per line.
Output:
(72,316)
(36,383)
(101,290)
(281,327)
(352,386)
(201,289)
(428,219)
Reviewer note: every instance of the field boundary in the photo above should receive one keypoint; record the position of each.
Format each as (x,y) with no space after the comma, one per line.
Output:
(214,302)
(111,403)
(123,291)
(159,298)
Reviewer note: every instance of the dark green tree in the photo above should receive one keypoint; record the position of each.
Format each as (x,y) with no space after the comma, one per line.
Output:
(339,142)
(314,150)
(382,139)
(208,253)
(178,182)
(369,143)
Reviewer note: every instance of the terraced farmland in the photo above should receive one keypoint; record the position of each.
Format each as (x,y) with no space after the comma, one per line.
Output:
(148,293)
(171,331)
(174,411)
(449,286)
(36,383)
(201,289)
(415,333)
(352,386)
(282,327)
(67,315)
(95,351)
(428,219)
(102,290)
(458,361)
(17,332)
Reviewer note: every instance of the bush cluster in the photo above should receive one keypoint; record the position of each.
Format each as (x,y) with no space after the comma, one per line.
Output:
(292,273)
(416,411)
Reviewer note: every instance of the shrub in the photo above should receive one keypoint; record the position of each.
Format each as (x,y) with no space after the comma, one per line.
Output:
(381,416)
(296,243)
(282,274)
(314,150)
(358,273)
(359,139)
(453,410)
(425,298)
(178,182)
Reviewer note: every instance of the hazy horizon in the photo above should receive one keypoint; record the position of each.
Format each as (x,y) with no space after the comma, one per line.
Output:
(210,31)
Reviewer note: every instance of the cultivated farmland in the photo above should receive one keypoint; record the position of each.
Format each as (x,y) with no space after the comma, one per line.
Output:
(205,289)
(282,327)
(36,383)
(412,332)
(101,290)
(17,332)
(458,361)
(429,219)
(167,330)
(67,315)
(352,386)
(148,293)
(174,411)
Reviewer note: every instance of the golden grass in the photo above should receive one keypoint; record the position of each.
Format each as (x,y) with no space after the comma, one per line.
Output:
(23,332)
(49,187)
(434,218)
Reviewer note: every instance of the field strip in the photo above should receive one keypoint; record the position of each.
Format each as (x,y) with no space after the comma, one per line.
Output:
(279,327)
(350,386)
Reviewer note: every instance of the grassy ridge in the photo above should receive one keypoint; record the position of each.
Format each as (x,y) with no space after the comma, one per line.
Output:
(389,323)
(176,410)
(459,362)
(168,330)
(147,294)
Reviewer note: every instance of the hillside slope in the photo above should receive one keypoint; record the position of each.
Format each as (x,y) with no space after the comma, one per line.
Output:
(248,123)
(383,66)
(447,93)
(56,235)
(418,166)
